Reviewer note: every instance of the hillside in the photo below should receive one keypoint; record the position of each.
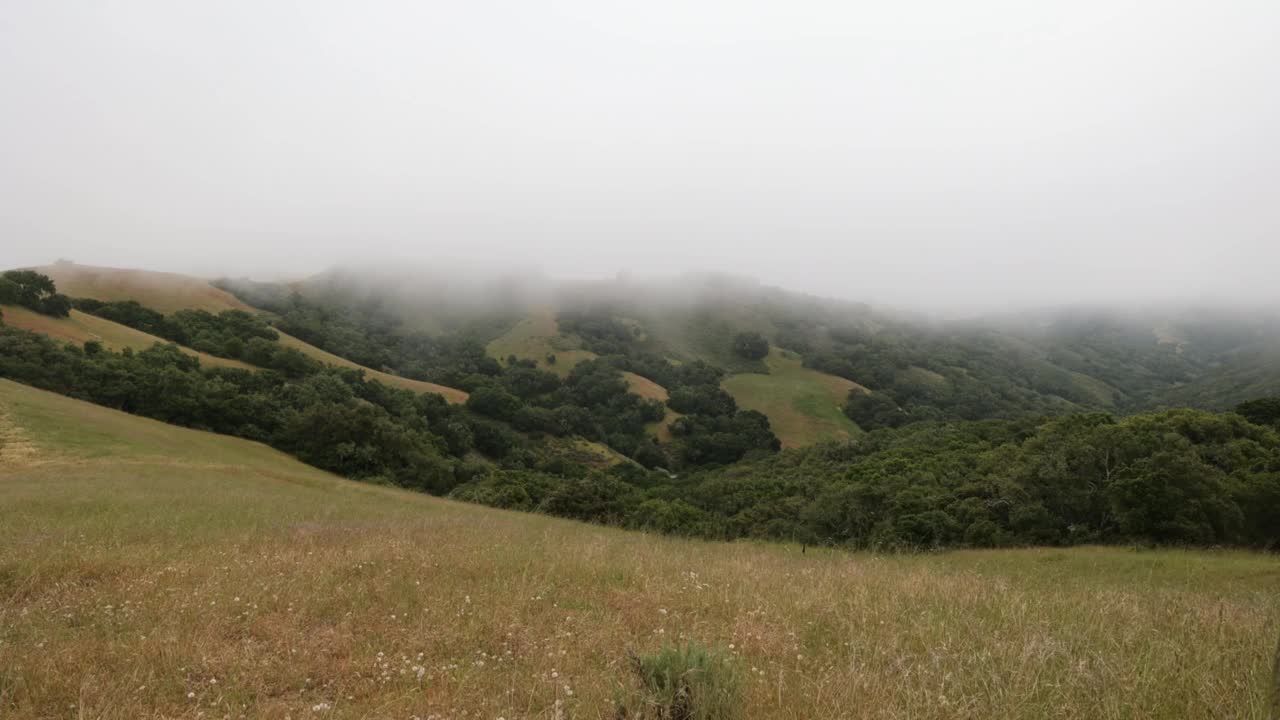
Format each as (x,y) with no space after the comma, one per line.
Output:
(168,293)
(418,386)
(537,337)
(803,405)
(80,328)
(650,390)
(914,368)
(160,291)
(153,571)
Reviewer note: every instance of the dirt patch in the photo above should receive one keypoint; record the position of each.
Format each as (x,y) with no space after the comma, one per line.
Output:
(16,448)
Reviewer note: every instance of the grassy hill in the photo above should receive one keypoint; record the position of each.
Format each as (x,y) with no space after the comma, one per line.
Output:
(151,571)
(163,292)
(168,293)
(537,337)
(80,328)
(803,405)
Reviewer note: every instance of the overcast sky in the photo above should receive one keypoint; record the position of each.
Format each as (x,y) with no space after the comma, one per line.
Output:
(925,152)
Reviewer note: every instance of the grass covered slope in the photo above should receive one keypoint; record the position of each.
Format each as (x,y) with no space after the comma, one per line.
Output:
(537,337)
(160,291)
(803,405)
(80,328)
(151,571)
(167,293)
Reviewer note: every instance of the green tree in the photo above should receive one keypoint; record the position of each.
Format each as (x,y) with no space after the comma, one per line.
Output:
(750,345)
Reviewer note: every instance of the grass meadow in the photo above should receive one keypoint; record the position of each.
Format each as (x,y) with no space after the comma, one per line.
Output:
(148,571)
(536,338)
(803,405)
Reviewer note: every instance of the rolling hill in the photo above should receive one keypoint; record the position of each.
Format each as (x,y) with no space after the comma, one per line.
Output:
(152,571)
(803,405)
(80,328)
(160,291)
(537,337)
(168,293)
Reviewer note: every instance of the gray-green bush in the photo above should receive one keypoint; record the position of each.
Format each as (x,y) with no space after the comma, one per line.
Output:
(688,682)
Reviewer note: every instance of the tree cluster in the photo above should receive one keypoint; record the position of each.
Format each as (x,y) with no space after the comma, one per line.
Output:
(329,417)
(1183,477)
(33,291)
(226,334)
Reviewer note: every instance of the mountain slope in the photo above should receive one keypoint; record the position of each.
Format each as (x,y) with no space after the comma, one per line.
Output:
(170,292)
(151,571)
(537,337)
(803,405)
(80,328)
(163,292)
(453,395)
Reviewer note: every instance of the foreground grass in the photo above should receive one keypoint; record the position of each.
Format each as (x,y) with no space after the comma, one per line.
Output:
(150,571)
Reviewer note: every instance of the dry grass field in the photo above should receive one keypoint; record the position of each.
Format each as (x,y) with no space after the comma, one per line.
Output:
(163,292)
(148,571)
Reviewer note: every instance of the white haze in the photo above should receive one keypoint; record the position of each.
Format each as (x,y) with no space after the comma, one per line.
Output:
(926,153)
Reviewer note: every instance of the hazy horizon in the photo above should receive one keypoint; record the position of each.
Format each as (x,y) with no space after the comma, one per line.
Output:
(927,155)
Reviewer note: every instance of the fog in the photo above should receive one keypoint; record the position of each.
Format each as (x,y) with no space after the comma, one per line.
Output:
(926,154)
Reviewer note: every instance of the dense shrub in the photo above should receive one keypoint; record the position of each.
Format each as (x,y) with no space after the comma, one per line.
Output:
(750,346)
(683,682)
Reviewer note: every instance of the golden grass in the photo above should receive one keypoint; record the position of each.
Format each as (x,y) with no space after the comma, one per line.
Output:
(164,292)
(151,571)
(803,405)
(80,328)
(650,390)
(644,387)
(453,395)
